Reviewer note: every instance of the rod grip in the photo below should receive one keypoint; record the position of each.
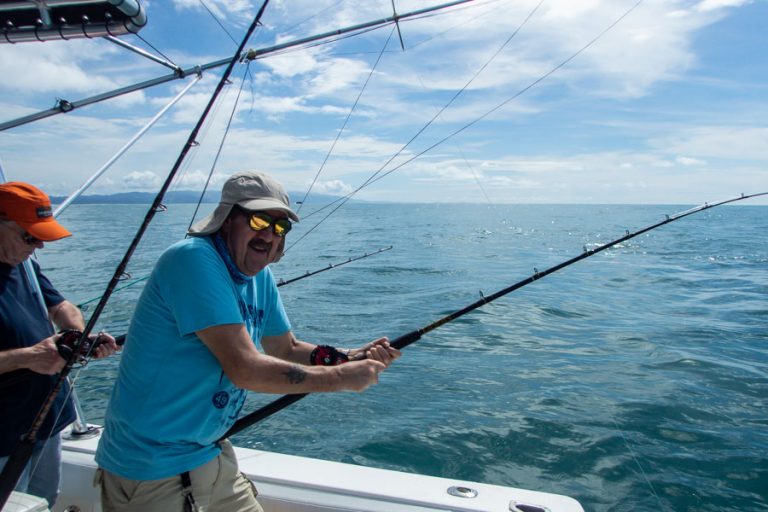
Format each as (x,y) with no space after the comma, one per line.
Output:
(406,339)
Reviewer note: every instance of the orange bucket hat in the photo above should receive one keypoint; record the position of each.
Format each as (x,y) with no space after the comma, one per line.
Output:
(30,208)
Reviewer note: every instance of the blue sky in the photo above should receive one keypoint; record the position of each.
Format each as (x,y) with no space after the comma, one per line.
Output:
(669,106)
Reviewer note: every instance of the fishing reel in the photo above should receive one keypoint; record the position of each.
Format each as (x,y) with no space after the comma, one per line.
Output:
(326,355)
(69,344)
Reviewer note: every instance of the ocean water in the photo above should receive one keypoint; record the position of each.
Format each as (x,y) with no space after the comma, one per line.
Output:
(634,380)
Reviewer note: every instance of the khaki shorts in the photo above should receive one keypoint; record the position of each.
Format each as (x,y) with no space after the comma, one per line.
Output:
(217,486)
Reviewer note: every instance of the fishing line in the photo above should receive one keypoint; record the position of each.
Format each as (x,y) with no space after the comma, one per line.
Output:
(413,336)
(637,461)
(22,453)
(372,178)
(310,17)
(316,44)
(84,305)
(477,120)
(221,145)
(216,19)
(463,23)
(156,49)
(348,32)
(349,115)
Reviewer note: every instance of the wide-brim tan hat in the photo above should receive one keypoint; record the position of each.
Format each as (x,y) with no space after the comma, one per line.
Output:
(251,190)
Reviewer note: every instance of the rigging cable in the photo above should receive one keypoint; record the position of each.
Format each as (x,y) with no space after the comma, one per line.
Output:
(310,17)
(464,22)
(154,48)
(344,125)
(216,19)
(458,93)
(71,105)
(221,146)
(470,124)
(413,336)
(511,98)
(22,453)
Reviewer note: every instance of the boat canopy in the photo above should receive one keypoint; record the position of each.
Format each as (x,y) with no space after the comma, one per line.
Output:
(46,20)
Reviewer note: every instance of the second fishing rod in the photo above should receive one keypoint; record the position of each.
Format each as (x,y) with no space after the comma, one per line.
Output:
(413,336)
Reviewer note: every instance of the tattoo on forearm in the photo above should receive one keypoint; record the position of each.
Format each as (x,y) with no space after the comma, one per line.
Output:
(296,375)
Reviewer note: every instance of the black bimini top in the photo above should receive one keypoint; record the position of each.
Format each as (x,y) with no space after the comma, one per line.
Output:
(47,20)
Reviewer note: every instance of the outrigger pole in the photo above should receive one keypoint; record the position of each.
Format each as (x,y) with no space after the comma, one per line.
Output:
(64,106)
(22,454)
(413,336)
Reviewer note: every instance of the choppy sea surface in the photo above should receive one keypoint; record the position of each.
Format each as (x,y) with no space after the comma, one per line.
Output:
(634,380)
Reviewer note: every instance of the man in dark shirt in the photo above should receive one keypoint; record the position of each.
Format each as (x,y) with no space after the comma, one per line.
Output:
(29,358)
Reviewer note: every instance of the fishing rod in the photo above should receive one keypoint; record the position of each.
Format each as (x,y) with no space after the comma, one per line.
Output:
(66,345)
(69,344)
(22,453)
(281,282)
(413,336)
(330,266)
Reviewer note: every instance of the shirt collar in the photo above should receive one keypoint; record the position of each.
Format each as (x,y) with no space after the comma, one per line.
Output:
(237,276)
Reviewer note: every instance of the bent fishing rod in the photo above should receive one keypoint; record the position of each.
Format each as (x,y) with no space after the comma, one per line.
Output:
(413,336)
(22,453)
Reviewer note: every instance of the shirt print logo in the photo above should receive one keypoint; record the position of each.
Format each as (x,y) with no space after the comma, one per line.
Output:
(220,399)
(253,319)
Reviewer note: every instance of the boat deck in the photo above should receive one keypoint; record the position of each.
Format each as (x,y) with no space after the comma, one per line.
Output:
(288,483)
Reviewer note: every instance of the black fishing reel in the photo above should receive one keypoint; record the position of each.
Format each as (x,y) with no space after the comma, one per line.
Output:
(69,343)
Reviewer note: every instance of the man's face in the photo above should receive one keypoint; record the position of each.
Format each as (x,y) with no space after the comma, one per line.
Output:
(15,244)
(251,250)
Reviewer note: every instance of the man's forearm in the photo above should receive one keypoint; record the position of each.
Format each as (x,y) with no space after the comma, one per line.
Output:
(12,359)
(66,315)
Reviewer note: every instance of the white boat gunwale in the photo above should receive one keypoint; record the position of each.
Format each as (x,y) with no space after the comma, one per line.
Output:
(290,483)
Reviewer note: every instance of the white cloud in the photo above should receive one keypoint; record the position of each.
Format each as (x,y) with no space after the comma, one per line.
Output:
(141,181)
(292,64)
(614,119)
(196,180)
(235,11)
(713,5)
(685,160)
(53,67)
(334,187)
(734,143)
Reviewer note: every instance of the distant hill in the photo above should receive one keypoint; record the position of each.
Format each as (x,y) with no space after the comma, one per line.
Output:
(175,196)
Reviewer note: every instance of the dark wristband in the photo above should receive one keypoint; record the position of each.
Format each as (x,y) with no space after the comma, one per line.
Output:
(326,355)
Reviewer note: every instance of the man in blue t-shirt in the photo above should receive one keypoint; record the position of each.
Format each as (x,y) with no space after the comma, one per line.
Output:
(191,354)
(29,359)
